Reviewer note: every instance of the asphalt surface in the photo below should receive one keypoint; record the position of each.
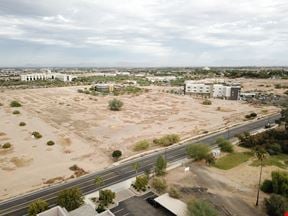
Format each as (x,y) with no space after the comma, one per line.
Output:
(19,205)
(139,206)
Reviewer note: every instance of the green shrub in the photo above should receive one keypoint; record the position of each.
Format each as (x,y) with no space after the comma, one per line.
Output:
(106,197)
(100,208)
(37,207)
(280,183)
(201,208)
(50,143)
(141,145)
(207,102)
(167,140)
(116,154)
(174,193)
(224,145)
(276,205)
(274,149)
(70,199)
(16,112)
(159,184)
(198,151)
(6,145)
(115,105)
(267,186)
(22,124)
(15,104)
(36,135)
(141,182)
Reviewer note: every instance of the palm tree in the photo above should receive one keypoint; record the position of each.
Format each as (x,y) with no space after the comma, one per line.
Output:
(261,154)
(99,181)
(136,167)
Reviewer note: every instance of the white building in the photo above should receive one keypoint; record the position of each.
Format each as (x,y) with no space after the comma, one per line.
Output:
(48,75)
(218,90)
(161,78)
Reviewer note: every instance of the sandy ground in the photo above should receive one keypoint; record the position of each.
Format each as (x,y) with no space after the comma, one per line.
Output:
(266,85)
(86,132)
(233,189)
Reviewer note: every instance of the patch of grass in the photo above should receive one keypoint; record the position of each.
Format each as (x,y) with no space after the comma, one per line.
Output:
(232,160)
(274,160)
(16,112)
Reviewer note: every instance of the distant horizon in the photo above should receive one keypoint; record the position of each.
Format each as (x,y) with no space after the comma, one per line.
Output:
(114,67)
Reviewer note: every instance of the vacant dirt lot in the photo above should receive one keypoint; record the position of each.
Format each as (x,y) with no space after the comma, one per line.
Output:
(232,191)
(85,132)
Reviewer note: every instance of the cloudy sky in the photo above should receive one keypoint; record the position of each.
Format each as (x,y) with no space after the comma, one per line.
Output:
(143,32)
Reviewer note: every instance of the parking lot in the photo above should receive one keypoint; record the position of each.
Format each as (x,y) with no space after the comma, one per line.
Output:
(139,206)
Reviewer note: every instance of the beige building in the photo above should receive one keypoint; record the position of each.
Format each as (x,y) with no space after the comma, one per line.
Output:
(47,75)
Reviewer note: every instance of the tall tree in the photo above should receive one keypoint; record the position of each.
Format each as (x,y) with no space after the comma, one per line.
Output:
(261,154)
(99,181)
(136,167)
(160,166)
(70,199)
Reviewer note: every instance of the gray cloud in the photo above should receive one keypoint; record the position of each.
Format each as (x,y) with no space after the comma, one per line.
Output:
(156,32)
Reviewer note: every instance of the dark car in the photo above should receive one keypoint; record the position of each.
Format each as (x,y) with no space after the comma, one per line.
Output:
(152,202)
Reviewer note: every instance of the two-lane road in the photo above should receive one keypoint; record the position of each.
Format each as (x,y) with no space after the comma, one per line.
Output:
(18,205)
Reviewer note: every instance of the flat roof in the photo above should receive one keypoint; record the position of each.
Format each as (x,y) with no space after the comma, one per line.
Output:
(175,206)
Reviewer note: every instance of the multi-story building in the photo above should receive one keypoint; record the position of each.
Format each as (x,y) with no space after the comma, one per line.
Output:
(212,90)
(47,75)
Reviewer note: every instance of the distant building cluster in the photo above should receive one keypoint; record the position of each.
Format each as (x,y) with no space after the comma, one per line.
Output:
(212,90)
(161,78)
(47,75)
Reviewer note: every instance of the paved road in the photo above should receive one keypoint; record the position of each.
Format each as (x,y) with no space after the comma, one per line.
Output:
(18,206)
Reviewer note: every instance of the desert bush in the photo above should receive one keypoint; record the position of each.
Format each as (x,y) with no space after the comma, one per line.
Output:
(15,104)
(50,143)
(80,91)
(174,193)
(141,182)
(22,124)
(16,112)
(100,208)
(276,205)
(1,104)
(200,208)
(6,145)
(167,140)
(224,145)
(141,145)
(198,151)
(251,115)
(207,102)
(116,154)
(159,184)
(267,186)
(115,105)
(106,197)
(36,135)
(37,207)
